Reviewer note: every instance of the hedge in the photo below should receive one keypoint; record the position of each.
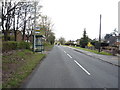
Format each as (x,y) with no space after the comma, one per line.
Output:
(12,45)
(23,45)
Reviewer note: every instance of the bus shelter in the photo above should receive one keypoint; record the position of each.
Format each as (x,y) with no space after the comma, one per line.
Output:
(39,46)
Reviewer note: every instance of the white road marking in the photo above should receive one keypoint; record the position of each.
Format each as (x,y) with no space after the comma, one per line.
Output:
(64,51)
(82,67)
(69,55)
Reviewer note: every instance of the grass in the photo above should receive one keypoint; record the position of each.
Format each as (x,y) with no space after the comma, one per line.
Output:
(48,47)
(18,65)
(94,51)
(21,63)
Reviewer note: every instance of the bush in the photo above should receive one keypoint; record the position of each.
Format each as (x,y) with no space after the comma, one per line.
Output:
(8,46)
(97,45)
(12,38)
(23,45)
(12,45)
(46,44)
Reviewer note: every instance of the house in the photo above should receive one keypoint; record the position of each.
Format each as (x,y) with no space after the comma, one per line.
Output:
(11,35)
(78,42)
(19,36)
(118,40)
(111,39)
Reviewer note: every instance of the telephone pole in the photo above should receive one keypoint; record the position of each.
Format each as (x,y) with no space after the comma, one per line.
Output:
(100,35)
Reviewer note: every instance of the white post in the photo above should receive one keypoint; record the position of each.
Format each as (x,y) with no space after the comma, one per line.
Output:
(34,26)
(119,23)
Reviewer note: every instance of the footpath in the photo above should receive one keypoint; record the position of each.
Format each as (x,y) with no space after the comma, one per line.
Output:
(114,60)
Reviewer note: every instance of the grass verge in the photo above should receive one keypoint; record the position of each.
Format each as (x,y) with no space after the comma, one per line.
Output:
(17,66)
(48,47)
(94,51)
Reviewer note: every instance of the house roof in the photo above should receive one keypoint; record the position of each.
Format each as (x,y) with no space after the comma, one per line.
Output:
(117,43)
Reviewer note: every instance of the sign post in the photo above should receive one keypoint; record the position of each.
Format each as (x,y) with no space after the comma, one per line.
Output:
(37,35)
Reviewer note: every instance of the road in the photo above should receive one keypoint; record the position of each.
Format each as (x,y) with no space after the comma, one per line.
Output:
(65,68)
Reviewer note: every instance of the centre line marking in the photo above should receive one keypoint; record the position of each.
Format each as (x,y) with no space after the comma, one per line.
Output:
(82,67)
(69,55)
(64,51)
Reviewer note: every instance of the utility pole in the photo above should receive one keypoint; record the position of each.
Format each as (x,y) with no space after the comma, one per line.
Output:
(100,35)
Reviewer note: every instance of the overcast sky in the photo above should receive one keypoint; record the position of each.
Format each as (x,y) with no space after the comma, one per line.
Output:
(70,17)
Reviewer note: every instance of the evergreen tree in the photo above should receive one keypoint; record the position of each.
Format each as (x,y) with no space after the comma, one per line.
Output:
(84,40)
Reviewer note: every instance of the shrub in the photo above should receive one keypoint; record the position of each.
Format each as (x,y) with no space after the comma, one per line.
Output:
(12,45)
(23,45)
(46,44)
(97,45)
(9,45)
(12,38)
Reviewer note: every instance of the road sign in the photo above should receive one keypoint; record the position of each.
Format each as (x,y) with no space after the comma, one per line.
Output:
(37,32)
(37,28)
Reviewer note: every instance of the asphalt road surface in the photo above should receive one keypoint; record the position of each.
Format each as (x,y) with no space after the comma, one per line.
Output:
(65,68)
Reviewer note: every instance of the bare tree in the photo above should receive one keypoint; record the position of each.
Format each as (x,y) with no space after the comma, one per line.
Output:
(18,16)
(8,11)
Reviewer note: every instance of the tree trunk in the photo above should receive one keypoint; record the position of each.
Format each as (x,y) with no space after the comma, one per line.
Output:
(3,19)
(24,24)
(14,25)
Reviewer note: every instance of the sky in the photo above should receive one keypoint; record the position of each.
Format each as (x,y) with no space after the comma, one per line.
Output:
(70,17)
